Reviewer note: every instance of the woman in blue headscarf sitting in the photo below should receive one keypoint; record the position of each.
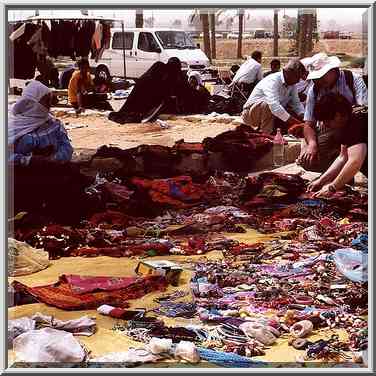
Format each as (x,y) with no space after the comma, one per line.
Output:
(33,133)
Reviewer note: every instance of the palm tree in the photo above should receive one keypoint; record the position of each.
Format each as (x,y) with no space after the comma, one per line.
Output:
(139,18)
(240,35)
(203,16)
(305,31)
(205,30)
(275,33)
(212,31)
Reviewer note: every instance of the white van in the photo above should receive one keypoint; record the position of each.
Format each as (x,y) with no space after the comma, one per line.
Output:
(144,47)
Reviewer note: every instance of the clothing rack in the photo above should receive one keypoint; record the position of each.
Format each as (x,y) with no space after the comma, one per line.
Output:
(78,18)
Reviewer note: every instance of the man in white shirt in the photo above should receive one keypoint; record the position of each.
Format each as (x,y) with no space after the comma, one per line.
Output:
(249,73)
(269,99)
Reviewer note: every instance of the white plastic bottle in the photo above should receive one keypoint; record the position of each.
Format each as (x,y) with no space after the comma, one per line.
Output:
(278,149)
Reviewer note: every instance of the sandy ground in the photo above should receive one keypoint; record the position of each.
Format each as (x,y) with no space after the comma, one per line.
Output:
(92,129)
(226,49)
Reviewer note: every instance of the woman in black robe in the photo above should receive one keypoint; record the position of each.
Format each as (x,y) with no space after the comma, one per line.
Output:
(152,89)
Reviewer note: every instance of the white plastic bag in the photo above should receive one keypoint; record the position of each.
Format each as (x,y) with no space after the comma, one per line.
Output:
(353,264)
(159,345)
(19,326)
(187,351)
(48,345)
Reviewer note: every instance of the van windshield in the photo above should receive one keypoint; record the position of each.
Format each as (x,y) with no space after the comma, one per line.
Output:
(175,39)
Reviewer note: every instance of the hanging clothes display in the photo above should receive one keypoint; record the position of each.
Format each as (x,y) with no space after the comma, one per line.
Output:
(106,35)
(68,32)
(22,62)
(105,40)
(97,36)
(37,44)
(84,34)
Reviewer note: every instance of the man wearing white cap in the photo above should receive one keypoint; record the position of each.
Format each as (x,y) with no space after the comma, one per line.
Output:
(322,144)
(269,99)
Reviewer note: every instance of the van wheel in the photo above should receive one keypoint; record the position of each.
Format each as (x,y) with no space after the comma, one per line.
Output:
(103,73)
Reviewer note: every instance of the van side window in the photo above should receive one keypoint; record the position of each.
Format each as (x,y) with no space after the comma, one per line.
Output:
(117,41)
(147,43)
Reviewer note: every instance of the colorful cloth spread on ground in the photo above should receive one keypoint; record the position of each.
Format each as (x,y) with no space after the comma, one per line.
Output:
(311,278)
(81,293)
(179,192)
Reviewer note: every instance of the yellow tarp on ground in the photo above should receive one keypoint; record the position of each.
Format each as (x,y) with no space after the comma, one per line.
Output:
(106,340)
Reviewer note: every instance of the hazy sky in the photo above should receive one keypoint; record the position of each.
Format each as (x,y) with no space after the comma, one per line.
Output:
(340,15)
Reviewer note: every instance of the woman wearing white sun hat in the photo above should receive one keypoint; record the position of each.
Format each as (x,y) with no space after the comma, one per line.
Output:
(322,144)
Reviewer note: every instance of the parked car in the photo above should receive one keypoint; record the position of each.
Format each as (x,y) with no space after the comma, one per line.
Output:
(144,47)
(233,36)
(260,34)
(194,35)
(345,35)
(331,35)
(217,35)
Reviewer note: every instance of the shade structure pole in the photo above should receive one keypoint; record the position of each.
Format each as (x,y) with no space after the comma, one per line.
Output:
(123,39)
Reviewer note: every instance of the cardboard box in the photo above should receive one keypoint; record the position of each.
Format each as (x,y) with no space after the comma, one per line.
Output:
(160,267)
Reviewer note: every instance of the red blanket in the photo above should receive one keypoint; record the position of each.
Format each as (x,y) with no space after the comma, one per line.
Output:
(74,292)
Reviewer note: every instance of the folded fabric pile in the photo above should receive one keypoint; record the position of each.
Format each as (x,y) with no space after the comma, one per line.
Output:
(74,292)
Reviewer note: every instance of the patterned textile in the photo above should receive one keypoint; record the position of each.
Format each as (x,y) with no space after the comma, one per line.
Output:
(274,187)
(83,293)
(110,217)
(178,192)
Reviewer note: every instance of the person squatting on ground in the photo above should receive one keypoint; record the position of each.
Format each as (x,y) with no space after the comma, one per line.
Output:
(249,73)
(33,132)
(200,94)
(336,113)
(81,90)
(42,180)
(267,107)
(321,145)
